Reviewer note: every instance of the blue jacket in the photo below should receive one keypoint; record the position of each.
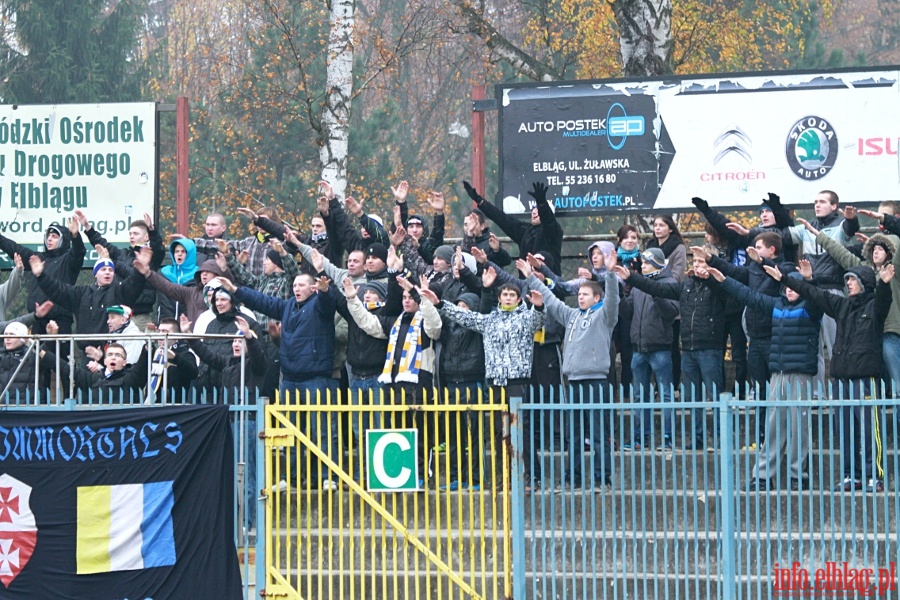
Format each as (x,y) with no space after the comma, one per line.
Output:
(795,328)
(307,331)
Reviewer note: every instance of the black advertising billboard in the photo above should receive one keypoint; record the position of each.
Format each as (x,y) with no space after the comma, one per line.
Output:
(615,146)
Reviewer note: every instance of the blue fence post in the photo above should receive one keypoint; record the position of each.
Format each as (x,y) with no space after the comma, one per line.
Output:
(261,531)
(517,476)
(727,557)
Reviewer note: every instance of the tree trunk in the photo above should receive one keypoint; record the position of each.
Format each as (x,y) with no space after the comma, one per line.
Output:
(645,37)
(338,86)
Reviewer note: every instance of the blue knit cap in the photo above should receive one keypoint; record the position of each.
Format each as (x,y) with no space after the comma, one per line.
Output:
(103,262)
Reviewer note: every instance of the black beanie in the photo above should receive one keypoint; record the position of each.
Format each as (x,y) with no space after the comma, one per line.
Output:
(275,258)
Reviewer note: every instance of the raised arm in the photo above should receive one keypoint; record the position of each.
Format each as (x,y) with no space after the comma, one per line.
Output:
(838,251)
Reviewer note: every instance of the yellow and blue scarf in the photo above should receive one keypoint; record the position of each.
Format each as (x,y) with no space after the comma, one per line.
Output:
(410,358)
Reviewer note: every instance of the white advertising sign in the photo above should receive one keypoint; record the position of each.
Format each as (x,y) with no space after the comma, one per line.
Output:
(99,158)
(616,146)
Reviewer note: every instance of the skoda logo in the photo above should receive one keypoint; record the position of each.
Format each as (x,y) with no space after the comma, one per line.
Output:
(811,148)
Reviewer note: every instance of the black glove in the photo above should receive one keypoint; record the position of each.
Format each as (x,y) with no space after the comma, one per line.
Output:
(700,203)
(773,201)
(473,194)
(539,192)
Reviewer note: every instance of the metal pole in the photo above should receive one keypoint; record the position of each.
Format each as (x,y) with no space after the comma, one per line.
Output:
(478,178)
(518,497)
(726,501)
(183,183)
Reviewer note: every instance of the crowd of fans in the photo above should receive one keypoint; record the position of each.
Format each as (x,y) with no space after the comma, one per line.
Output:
(390,313)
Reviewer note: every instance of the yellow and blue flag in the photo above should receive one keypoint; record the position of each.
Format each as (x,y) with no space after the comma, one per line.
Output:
(125,527)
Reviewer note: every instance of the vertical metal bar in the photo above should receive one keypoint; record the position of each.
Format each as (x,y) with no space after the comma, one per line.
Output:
(517,531)
(182,179)
(478,141)
(262,530)
(726,500)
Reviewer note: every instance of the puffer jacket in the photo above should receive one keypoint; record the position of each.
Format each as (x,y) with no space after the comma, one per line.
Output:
(651,322)
(461,357)
(860,322)
(795,328)
(702,305)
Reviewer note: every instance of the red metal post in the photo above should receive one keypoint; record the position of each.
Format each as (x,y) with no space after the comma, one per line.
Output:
(182,178)
(478,179)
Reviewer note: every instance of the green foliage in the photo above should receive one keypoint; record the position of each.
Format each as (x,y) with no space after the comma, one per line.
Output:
(65,52)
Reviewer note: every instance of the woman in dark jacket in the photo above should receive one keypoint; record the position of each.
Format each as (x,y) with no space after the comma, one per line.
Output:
(667,238)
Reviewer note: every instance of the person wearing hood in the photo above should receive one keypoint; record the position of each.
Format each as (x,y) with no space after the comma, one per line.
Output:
(188,297)
(855,365)
(701,302)
(89,302)
(181,271)
(508,335)
(586,363)
(63,258)
(141,234)
(476,234)
(18,362)
(544,233)
(793,364)
(879,250)
(417,225)
(651,338)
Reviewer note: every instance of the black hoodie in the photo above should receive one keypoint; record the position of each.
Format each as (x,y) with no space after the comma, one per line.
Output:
(63,264)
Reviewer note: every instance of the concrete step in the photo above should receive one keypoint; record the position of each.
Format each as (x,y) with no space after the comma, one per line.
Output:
(601,509)
(577,552)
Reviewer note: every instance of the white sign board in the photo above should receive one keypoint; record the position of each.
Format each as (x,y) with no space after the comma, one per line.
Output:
(99,158)
(616,146)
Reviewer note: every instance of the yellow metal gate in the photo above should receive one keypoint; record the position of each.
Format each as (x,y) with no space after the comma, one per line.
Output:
(328,536)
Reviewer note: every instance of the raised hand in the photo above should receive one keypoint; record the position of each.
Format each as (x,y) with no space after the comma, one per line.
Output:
(222,245)
(848,212)
(318,261)
(17,259)
(147,219)
(623,272)
(400,191)
(185,323)
(494,242)
(610,261)
(73,225)
(436,201)
(473,193)
(805,268)
(326,189)
(243,257)
(753,254)
(716,274)
(488,277)
(872,214)
(52,328)
(93,352)
(227,284)
(276,245)
(243,326)
(41,310)
(812,230)
(887,272)
(585,274)
(429,295)
(539,192)
(737,228)
(863,238)
(398,236)
(322,284)
(354,206)
(221,261)
(394,261)
(536,298)
(247,212)
(36,264)
(479,254)
(700,251)
(534,261)
(101,251)
(773,272)
(405,284)
(524,268)
(82,218)
(350,290)
(700,203)
(322,205)
(398,217)
(701,272)
(458,258)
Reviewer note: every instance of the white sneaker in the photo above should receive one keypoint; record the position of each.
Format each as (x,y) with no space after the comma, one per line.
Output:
(329,486)
(281,486)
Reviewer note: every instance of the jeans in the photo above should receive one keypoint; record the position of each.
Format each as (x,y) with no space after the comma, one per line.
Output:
(319,427)
(659,364)
(589,423)
(464,447)
(364,391)
(703,378)
(859,430)
(758,365)
(891,352)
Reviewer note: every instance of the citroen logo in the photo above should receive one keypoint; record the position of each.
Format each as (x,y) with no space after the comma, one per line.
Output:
(733,140)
